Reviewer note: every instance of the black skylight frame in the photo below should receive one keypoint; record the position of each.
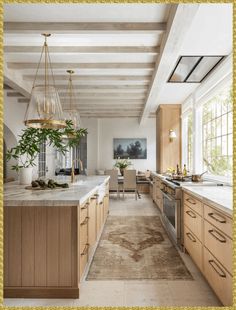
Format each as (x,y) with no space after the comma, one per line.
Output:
(185,80)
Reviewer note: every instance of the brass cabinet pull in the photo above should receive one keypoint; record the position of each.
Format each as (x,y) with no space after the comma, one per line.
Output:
(191,201)
(221,220)
(85,250)
(85,221)
(93,198)
(214,234)
(191,214)
(190,236)
(217,268)
(85,206)
(101,202)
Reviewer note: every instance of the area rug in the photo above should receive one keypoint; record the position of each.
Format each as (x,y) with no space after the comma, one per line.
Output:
(135,248)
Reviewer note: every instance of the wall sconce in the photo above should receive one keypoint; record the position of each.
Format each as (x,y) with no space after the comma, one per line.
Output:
(172,135)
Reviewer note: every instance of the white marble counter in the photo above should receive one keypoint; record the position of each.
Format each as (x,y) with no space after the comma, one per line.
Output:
(219,196)
(77,193)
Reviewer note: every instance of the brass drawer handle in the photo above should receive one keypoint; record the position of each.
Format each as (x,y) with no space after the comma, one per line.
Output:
(191,214)
(93,198)
(85,206)
(191,201)
(101,202)
(217,268)
(221,220)
(85,221)
(190,236)
(85,250)
(214,234)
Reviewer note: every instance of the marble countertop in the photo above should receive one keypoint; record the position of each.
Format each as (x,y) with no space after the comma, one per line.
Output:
(219,196)
(77,193)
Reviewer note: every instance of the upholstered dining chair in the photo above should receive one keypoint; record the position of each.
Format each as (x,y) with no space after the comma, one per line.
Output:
(113,182)
(130,183)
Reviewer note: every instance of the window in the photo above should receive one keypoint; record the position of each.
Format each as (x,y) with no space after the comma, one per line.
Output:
(217,129)
(190,141)
(42,161)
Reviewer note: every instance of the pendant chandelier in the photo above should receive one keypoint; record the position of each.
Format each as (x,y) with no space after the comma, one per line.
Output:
(71,113)
(44,109)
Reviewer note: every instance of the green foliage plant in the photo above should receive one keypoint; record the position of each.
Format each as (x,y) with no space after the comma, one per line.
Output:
(28,146)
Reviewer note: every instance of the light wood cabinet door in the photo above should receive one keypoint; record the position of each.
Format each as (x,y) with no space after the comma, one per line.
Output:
(193,246)
(219,245)
(92,225)
(194,221)
(219,279)
(106,206)
(193,203)
(84,211)
(218,219)
(98,219)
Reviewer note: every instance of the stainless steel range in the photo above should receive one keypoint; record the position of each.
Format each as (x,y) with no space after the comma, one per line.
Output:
(172,211)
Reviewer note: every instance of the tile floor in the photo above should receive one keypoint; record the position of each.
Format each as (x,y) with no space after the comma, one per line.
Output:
(135,293)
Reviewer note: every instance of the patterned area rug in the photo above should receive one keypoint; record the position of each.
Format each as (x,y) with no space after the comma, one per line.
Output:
(136,247)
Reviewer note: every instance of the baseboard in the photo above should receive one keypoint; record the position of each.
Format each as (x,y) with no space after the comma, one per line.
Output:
(41,292)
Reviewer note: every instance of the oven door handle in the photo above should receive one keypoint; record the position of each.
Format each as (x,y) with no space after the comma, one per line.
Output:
(167,196)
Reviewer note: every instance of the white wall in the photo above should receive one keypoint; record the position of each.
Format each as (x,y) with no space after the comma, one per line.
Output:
(100,141)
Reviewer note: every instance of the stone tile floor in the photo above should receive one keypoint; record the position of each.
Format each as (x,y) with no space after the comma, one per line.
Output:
(135,293)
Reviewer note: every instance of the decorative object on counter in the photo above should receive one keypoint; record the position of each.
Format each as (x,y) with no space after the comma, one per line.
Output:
(122,164)
(133,148)
(172,135)
(185,172)
(42,185)
(44,109)
(178,170)
(28,146)
(25,175)
(198,177)
(72,113)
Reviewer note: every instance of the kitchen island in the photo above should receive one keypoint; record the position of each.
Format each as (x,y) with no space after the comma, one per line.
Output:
(50,236)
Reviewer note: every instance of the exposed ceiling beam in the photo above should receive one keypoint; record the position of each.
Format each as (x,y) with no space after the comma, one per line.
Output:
(105,101)
(105,88)
(14,94)
(60,65)
(86,49)
(95,95)
(94,77)
(30,27)
(13,79)
(180,19)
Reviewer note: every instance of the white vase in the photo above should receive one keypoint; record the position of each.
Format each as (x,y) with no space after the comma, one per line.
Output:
(25,175)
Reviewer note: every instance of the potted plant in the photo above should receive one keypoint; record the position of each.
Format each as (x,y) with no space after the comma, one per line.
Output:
(28,146)
(122,164)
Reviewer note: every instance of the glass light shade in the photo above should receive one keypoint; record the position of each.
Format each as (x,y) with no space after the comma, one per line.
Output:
(44,109)
(73,116)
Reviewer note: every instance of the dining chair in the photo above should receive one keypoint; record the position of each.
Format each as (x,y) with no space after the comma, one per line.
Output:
(113,182)
(130,183)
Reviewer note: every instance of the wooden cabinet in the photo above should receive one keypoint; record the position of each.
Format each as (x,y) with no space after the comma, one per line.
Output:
(168,154)
(47,248)
(156,192)
(193,246)
(193,221)
(208,239)
(218,277)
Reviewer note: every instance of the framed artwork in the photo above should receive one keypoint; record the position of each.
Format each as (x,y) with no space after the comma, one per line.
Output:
(132,148)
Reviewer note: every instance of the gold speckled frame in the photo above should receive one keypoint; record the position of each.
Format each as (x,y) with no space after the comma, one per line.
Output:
(1,135)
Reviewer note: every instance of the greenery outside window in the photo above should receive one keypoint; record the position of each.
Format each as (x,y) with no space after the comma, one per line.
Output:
(217,139)
(190,141)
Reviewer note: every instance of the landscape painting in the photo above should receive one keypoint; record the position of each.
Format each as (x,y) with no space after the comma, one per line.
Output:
(132,148)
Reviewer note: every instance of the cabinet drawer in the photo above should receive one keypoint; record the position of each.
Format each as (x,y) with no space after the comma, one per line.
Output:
(84,211)
(218,219)
(193,203)
(219,279)
(193,246)
(194,221)
(219,245)
(83,234)
(83,259)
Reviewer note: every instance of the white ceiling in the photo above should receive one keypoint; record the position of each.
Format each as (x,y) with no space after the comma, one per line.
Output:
(210,33)
(130,13)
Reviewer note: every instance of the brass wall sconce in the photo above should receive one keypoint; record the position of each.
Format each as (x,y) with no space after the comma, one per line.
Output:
(172,135)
